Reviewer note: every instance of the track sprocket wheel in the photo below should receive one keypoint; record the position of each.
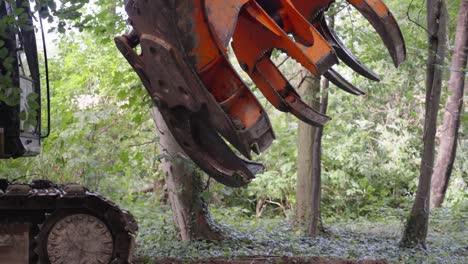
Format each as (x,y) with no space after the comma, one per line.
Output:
(75,237)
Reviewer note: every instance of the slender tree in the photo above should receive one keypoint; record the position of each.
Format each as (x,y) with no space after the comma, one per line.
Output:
(315,226)
(309,88)
(453,110)
(190,212)
(415,231)
(309,172)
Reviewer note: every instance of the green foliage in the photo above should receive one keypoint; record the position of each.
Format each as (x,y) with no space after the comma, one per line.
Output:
(277,182)
(9,93)
(104,18)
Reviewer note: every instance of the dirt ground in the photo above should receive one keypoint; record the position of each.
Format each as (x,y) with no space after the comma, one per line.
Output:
(270,259)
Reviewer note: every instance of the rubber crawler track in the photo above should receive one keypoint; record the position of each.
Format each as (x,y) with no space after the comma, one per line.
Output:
(32,203)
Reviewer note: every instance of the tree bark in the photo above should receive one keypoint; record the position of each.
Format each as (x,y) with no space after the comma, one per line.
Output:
(415,231)
(316,227)
(190,212)
(453,109)
(306,135)
(160,191)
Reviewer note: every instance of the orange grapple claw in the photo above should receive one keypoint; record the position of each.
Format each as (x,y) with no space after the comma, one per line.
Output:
(192,114)
(185,67)
(251,126)
(254,56)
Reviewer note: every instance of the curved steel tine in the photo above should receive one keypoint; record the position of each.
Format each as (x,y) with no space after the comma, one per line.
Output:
(344,53)
(282,95)
(191,118)
(386,26)
(201,142)
(338,80)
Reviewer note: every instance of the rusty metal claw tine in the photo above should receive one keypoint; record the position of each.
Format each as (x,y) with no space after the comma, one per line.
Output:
(282,95)
(193,117)
(344,53)
(338,80)
(306,113)
(251,125)
(212,25)
(124,44)
(386,26)
(222,17)
(206,148)
(253,167)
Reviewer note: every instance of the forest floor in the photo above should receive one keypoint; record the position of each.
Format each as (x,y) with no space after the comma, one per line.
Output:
(278,240)
(269,259)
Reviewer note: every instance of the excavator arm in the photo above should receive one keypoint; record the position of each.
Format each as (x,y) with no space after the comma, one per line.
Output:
(185,68)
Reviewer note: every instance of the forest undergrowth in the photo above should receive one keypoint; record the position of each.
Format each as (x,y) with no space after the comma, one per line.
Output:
(373,237)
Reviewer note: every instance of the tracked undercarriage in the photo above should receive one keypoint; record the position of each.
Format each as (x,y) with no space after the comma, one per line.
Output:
(41,222)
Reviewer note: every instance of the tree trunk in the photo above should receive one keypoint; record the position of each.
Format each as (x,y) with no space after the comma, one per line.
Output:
(160,190)
(415,231)
(316,227)
(453,109)
(191,215)
(306,133)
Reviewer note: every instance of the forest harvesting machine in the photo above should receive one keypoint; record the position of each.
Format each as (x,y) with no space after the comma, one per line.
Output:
(185,68)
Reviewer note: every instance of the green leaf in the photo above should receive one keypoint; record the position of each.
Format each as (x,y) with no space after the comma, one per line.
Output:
(123,155)
(19,11)
(23,115)
(3,53)
(61,29)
